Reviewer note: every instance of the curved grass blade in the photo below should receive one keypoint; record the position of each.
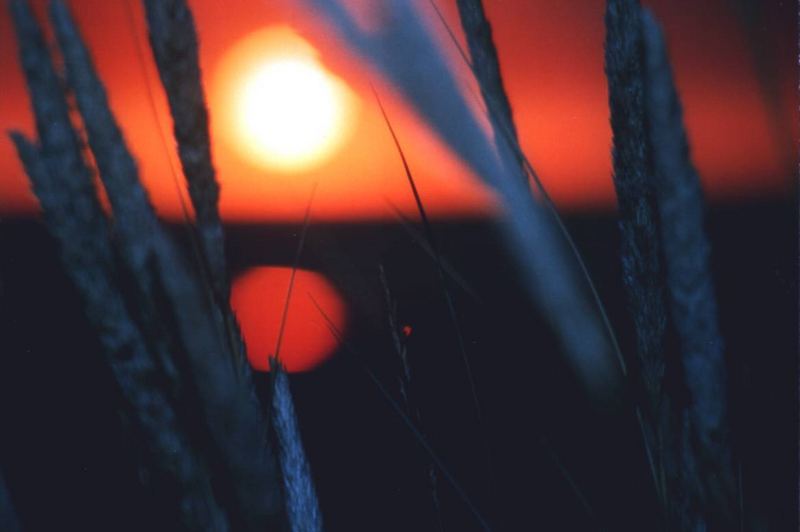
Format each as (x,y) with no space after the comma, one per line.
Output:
(420,240)
(512,143)
(451,309)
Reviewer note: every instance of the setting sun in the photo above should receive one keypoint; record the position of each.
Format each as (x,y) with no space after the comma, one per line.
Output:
(285,110)
(258,297)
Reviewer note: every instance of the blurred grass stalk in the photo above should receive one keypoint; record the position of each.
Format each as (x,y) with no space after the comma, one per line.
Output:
(406,52)
(704,420)
(665,255)
(639,243)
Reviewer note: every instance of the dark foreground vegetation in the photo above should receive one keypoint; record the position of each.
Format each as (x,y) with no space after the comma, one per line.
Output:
(644,383)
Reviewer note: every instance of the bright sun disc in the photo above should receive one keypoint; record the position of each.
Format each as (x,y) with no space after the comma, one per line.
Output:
(288,112)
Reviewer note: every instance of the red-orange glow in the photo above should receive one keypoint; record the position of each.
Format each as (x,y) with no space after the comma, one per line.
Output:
(258,297)
(552,61)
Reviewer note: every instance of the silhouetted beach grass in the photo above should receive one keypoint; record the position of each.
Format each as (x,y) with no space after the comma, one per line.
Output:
(162,315)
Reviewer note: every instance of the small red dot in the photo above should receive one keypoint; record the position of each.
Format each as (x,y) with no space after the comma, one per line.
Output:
(407,330)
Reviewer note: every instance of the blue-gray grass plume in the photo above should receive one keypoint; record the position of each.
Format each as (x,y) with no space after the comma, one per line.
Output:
(63,185)
(167,317)
(302,507)
(174,41)
(690,284)
(640,248)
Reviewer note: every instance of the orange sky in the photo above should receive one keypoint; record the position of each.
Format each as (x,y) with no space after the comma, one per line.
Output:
(552,59)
